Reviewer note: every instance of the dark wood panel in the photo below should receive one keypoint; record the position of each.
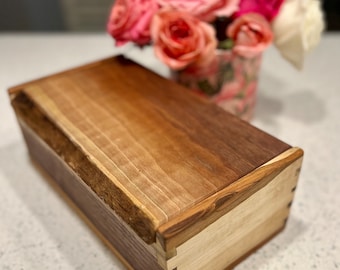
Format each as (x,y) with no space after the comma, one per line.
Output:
(115,231)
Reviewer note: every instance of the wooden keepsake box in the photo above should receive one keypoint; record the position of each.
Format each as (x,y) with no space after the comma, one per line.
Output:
(169,180)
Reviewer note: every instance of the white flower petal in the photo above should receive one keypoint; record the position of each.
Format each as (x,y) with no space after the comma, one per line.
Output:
(297,29)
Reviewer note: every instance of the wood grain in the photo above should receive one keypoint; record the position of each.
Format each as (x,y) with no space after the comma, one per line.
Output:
(242,228)
(147,147)
(127,246)
(190,223)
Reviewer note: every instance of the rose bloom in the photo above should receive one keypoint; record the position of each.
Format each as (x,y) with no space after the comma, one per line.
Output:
(181,39)
(205,10)
(130,21)
(267,8)
(297,29)
(251,34)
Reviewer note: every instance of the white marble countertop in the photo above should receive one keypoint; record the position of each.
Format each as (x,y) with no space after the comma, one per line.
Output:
(38,230)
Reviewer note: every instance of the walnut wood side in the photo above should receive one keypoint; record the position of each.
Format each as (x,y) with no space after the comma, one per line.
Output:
(127,246)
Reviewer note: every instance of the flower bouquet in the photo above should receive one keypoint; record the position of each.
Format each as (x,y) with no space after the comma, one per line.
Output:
(214,47)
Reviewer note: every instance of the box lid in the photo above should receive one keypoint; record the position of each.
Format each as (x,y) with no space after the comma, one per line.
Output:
(148,147)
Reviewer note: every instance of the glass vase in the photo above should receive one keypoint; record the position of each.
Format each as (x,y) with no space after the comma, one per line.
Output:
(228,80)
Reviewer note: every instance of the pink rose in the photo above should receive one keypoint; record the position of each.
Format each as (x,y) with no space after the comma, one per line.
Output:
(181,39)
(267,8)
(205,10)
(251,34)
(130,21)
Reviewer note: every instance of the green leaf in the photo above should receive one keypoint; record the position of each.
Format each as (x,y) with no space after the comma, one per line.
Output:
(226,72)
(207,88)
(240,95)
(226,44)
